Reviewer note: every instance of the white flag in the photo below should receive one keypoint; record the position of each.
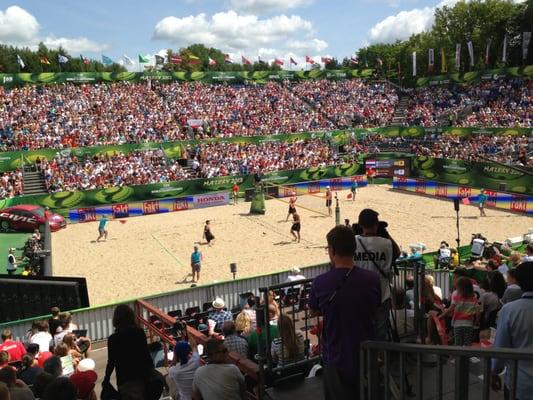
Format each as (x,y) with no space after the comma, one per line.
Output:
(471,52)
(526,37)
(504,53)
(20,62)
(458,56)
(127,60)
(414,63)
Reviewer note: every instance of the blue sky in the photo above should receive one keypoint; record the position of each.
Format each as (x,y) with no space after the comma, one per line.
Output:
(268,28)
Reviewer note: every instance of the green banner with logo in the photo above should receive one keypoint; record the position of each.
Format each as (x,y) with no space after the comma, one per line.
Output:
(180,76)
(63,201)
(477,76)
(492,176)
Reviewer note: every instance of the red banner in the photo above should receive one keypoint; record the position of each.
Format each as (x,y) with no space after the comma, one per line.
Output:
(180,205)
(335,184)
(314,187)
(151,207)
(87,214)
(463,191)
(441,191)
(519,204)
(491,198)
(120,210)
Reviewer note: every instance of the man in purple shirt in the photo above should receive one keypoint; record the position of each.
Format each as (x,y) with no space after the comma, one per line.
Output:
(347,297)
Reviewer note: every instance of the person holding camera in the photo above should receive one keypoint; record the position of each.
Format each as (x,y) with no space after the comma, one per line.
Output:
(376,251)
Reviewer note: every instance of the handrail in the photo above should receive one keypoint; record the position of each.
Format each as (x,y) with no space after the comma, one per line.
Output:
(248,367)
(460,351)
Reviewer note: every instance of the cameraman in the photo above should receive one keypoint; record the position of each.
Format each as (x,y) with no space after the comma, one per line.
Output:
(376,251)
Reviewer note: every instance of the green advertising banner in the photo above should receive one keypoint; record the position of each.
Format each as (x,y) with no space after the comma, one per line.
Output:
(477,174)
(477,76)
(180,76)
(62,201)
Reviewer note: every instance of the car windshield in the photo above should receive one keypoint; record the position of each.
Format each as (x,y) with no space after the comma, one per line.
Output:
(39,211)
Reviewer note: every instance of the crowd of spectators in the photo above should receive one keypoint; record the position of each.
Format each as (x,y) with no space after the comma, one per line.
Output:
(350,103)
(220,159)
(499,103)
(11,184)
(51,363)
(68,172)
(515,150)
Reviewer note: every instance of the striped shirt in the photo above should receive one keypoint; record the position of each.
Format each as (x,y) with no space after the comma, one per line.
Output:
(465,310)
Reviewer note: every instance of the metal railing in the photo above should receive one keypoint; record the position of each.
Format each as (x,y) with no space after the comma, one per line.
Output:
(292,300)
(386,369)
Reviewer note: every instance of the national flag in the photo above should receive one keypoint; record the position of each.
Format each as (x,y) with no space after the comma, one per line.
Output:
(414,63)
(470,47)
(526,38)
(458,56)
(504,52)
(431,59)
(293,62)
(245,61)
(144,59)
(354,60)
(227,59)
(212,62)
(326,60)
(44,60)
(309,60)
(20,62)
(85,60)
(194,60)
(175,59)
(127,60)
(443,63)
(62,59)
(277,61)
(106,60)
(159,60)
(487,52)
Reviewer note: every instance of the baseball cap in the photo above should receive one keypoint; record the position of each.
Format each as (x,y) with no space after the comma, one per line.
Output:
(182,351)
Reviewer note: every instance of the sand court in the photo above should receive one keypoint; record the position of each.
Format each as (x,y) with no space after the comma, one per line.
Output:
(151,254)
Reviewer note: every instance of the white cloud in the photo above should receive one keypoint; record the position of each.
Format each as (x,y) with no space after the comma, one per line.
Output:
(308,46)
(406,23)
(231,31)
(402,25)
(20,28)
(17,26)
(258,7)
(74,45)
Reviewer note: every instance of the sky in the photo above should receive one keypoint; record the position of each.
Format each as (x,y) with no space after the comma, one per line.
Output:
(266,28)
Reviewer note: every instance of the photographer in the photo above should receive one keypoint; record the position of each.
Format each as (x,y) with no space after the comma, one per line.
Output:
(376,251)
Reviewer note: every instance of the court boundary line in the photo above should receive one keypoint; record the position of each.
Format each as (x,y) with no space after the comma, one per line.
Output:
(168,251)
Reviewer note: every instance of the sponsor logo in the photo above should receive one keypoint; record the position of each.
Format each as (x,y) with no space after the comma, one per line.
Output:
(8,79)
(491,198)
(314,187)
(497,169)
(21,218)
(86,214)
(180,205)
(441,191)
(463,191)
(399,163)
(120,210)
(518,204)
(151,207)
(420,187)
(336,184)
(209,200)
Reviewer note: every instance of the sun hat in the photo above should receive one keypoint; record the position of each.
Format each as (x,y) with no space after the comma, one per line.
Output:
(219,303)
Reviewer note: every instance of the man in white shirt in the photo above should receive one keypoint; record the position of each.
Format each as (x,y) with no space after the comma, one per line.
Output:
(376,253)
(43,338)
